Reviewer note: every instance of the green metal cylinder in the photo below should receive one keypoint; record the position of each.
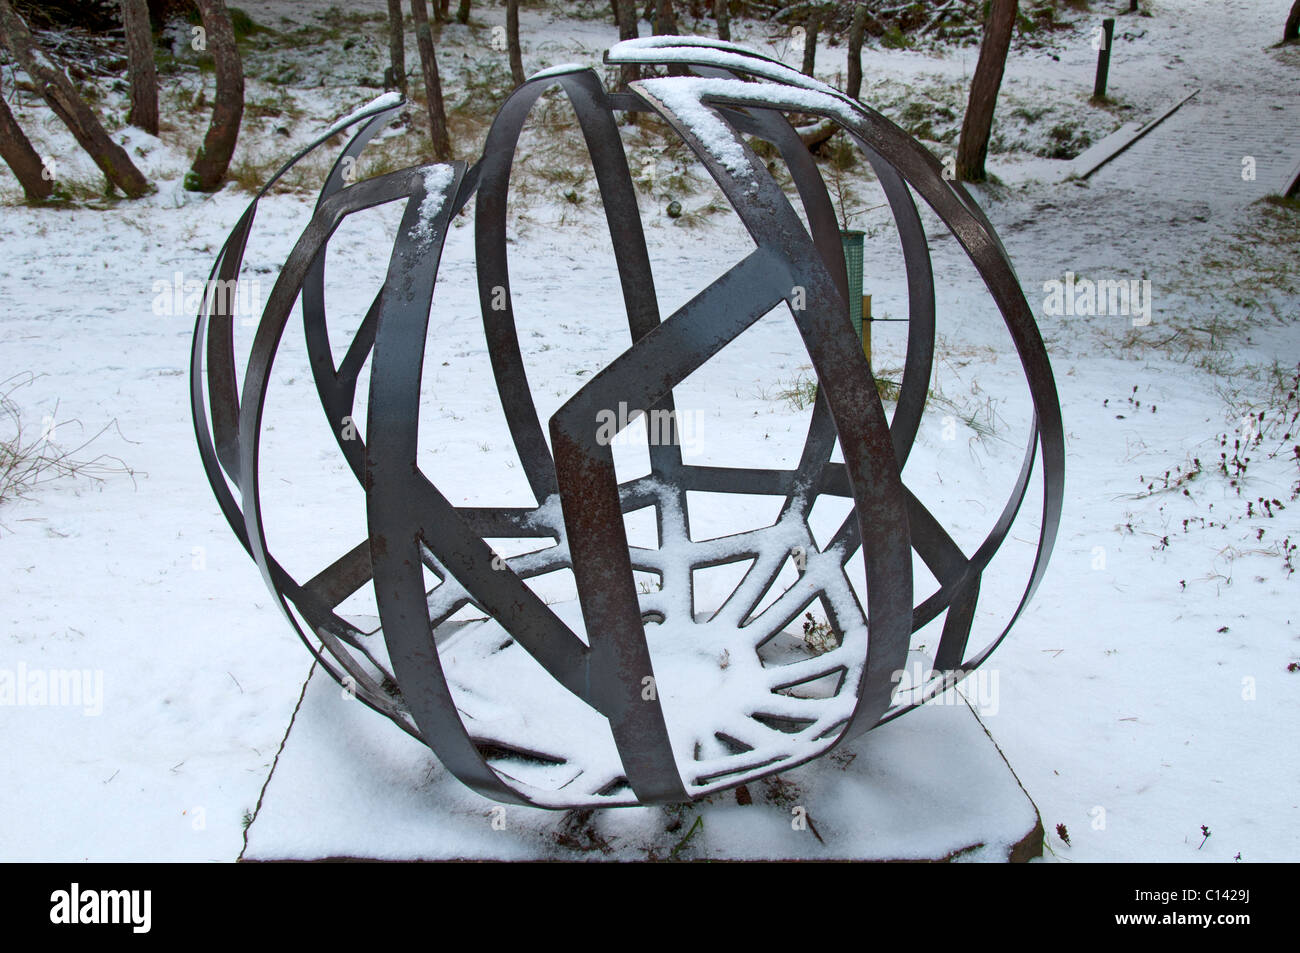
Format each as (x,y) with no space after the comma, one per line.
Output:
(852,245)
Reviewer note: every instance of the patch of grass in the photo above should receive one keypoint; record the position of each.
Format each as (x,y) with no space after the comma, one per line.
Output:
(681,844)
(281,106)
(27,461)
(800,392)
(818,635)
(244,25)
(1065,141)
(895,39)
(250,174)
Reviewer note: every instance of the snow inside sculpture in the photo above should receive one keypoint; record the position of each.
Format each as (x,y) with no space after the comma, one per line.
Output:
(631,694)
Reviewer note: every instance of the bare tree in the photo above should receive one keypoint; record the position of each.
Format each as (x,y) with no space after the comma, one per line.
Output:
(512,42)
(811,30)
(441,10)
(432,83)
(665,19)
(144,75)
(722,14)
(396,46)
(62,97)
(973,148)
(19,155)
(213,159)
(1292,29)
(627,30)
(857,33)
(462,12)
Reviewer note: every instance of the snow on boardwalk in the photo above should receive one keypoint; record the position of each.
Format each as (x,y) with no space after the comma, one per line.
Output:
(1229,149)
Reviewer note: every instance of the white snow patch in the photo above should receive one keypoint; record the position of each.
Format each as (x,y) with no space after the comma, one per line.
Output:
(559,70)
(437,179)
(379,103)
(682,97)
(697,53)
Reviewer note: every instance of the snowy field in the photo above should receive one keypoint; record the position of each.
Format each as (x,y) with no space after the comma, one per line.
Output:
(1147,692)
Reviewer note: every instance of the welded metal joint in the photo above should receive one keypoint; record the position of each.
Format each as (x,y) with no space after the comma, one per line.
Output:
(634,723)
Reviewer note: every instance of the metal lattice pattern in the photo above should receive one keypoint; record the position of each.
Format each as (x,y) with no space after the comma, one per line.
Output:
(617,661)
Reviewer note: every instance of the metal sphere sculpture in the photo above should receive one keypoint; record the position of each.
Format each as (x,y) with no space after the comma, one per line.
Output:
(624,711)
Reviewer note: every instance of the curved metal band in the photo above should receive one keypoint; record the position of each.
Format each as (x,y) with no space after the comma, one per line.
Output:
(412,526)
(990,260)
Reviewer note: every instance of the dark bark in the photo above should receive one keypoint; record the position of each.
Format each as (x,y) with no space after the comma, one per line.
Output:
(432,83)
(665,19)
(512,42)
(397,45)
(811,30)
(441,10)
(722,14)
(19,155)
(62,97)
(144,75)
(814,137)
(627,30)
(210,165)
(1292,29)
(462,12)
(857,33)
(973,149)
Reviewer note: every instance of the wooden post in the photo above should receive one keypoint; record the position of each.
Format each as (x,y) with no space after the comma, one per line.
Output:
(1103,59)
(866,326)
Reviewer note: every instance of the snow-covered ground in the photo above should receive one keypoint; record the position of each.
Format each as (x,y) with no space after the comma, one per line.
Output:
(1146,691)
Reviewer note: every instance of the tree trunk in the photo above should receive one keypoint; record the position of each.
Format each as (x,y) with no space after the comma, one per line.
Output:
(815,136)
(441,11)
(210,165)
(432,84)
(22,158)
(723,15)
(144,75)
(857,33)
(397,45)
(665,20)
(462,12)
(810,43)
(62,97)
(627,30)
(1292,29)
(512,42)
(977,125)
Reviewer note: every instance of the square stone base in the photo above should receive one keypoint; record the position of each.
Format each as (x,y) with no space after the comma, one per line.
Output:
(929,786)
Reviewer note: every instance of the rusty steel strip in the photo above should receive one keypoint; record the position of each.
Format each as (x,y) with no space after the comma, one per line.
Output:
(607,664)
